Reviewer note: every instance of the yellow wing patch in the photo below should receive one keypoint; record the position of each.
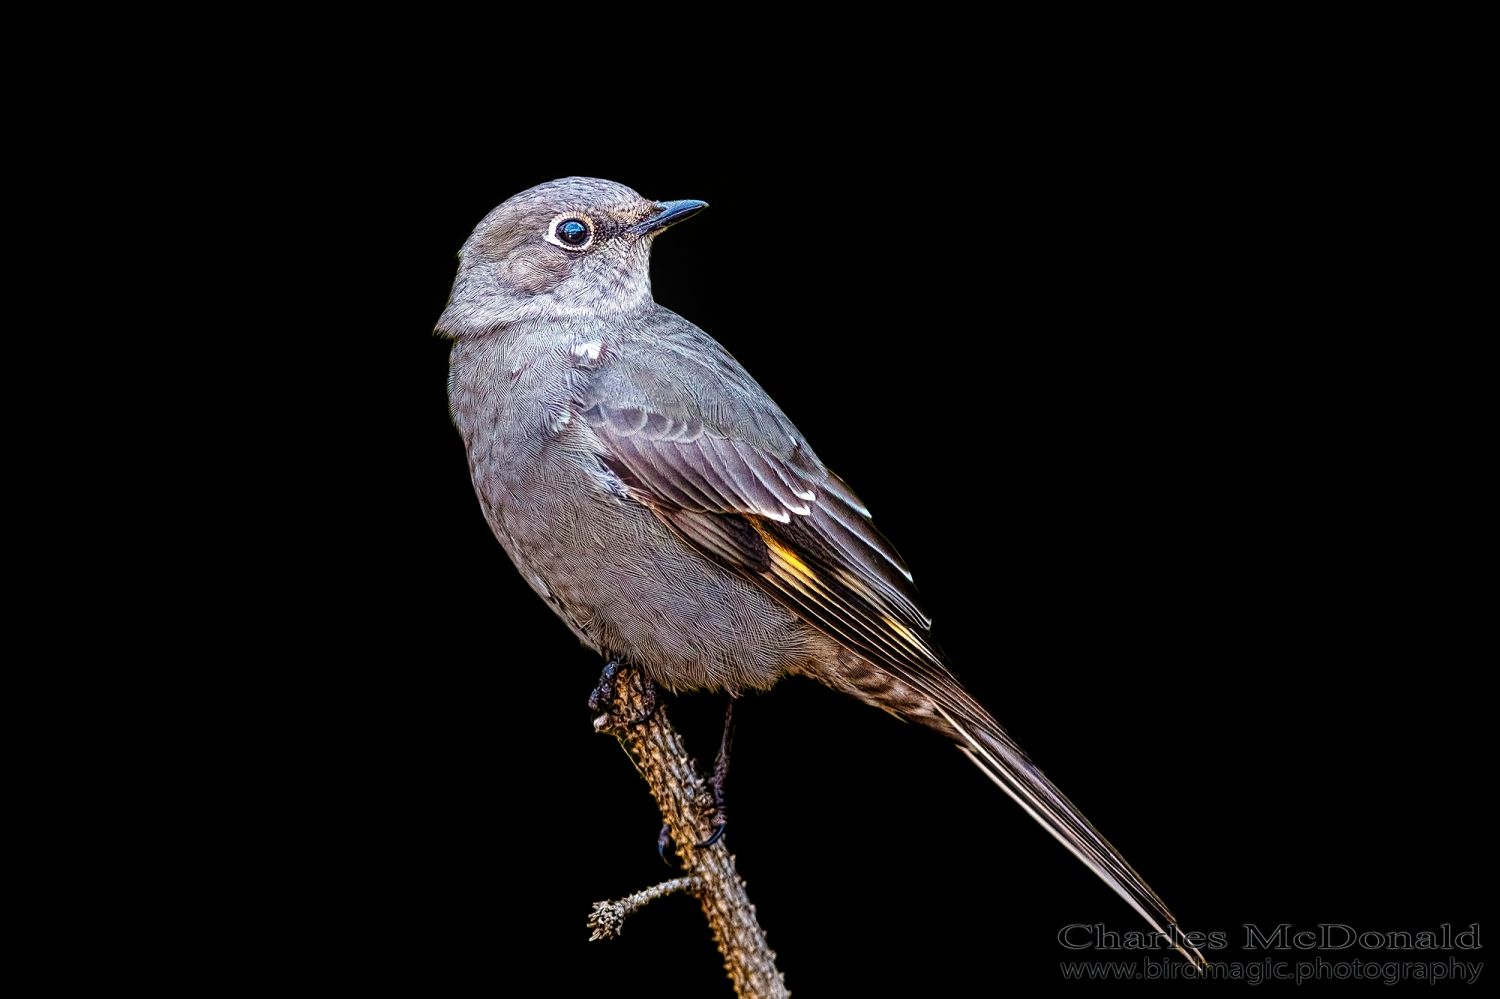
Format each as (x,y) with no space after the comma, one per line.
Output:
(782,552)
(856,611)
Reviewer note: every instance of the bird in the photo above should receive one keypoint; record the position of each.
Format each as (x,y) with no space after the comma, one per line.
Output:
(661,503)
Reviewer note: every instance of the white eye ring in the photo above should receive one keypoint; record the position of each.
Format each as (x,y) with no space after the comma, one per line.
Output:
(553,238)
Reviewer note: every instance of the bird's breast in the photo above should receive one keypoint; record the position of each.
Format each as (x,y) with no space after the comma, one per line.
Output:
(514,400)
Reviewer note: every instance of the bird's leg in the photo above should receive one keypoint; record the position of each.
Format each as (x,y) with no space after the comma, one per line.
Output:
(602,696)
(721,770)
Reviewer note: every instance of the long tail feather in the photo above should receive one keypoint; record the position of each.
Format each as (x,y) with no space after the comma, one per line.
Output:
(1001,760)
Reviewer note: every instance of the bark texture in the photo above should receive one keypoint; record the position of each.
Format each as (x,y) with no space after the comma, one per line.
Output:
(687,805)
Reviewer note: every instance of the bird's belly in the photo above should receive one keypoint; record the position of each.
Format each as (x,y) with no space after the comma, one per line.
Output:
(630,587)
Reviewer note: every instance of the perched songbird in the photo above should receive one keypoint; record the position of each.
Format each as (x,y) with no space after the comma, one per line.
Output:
(664,506)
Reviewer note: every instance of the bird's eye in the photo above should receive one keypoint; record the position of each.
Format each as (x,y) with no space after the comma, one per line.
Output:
(571,232)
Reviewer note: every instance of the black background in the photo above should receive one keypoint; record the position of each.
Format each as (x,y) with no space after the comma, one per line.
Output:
(1160,450)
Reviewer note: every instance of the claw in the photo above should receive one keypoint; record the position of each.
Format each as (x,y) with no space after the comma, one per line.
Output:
(714,838)
(601,695)
(662,839)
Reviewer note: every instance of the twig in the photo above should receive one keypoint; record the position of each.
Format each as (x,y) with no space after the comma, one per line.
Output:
(687,805)
(608,918)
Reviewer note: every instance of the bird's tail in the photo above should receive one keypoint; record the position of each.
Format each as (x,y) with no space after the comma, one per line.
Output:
(932,697)
(996,753)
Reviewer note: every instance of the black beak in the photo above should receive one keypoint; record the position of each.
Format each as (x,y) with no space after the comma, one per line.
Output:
(668,213)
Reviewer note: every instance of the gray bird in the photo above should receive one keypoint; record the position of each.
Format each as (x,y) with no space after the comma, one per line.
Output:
(665,507)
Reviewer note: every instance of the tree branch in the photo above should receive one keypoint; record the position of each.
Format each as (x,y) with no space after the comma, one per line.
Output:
(687,803)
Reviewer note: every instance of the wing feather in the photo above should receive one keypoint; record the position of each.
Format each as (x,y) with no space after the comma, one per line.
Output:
(827,561)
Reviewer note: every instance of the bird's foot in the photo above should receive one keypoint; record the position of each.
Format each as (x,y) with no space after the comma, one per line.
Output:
(721,771)
(663,838)
(602,697)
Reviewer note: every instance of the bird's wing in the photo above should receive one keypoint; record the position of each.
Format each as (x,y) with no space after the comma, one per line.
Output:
(693,437)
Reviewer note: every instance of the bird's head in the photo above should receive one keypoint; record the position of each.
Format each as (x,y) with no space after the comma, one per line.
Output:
(576,246)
